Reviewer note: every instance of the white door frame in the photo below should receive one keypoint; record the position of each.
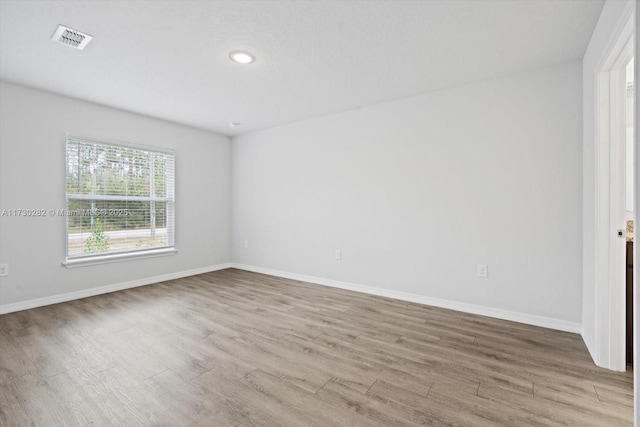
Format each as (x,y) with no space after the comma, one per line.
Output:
(610,202)
(636,230)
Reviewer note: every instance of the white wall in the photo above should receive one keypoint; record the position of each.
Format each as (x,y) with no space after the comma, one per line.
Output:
(603,36)
(33,125)
(417,192)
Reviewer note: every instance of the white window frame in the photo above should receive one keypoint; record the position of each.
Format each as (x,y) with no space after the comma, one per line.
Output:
(87,260)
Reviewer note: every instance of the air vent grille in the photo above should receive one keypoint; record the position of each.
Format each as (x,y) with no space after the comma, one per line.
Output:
(70,37)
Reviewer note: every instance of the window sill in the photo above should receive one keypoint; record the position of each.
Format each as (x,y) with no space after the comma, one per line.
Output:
(105,259)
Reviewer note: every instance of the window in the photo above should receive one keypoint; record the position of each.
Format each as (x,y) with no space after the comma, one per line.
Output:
(119,200)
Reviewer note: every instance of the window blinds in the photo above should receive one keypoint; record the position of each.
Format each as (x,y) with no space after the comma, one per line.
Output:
(118,199)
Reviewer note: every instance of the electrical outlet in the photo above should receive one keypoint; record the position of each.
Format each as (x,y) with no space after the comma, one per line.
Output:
(483,271)
(338,254)
(4,270)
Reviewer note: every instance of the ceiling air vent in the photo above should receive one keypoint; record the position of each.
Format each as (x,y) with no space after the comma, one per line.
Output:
(70,37)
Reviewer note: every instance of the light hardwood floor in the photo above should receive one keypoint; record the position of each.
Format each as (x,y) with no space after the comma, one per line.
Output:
(237,348)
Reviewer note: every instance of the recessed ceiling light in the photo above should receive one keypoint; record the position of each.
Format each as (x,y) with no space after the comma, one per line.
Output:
(242,57)
(234,124)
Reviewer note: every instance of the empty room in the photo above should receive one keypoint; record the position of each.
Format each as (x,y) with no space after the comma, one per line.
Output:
(318,213)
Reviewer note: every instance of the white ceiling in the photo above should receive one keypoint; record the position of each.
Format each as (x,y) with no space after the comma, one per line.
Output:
(169,59)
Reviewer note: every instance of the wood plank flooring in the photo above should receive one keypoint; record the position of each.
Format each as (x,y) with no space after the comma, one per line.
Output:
(233,348)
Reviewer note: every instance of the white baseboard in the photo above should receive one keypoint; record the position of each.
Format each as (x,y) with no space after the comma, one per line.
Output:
(545,322)
(529,319)
(55,299)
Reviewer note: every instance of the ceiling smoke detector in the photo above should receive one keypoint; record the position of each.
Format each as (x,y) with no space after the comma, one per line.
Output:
(70,37)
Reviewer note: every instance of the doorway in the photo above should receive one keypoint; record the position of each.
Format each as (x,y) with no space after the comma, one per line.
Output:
(629,188)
